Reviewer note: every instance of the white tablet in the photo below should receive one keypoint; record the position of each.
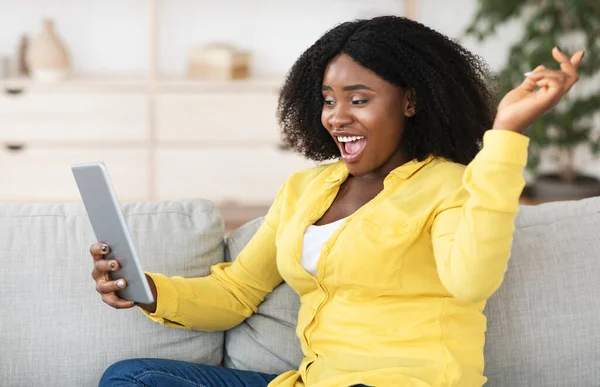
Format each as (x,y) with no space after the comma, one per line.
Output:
(109,225)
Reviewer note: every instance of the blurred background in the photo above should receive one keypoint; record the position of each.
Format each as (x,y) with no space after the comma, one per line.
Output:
(178,97)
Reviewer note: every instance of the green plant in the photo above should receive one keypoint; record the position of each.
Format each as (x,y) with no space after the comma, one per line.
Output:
(572,25)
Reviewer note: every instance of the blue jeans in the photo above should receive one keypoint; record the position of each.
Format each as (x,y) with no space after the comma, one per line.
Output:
(175,373)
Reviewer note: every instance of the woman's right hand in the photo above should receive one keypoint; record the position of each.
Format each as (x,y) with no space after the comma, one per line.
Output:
(108,288)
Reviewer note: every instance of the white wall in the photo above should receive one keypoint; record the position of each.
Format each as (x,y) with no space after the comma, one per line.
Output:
(276,31)
(111,36)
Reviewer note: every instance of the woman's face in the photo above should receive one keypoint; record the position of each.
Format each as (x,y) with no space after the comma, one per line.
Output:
(365,116)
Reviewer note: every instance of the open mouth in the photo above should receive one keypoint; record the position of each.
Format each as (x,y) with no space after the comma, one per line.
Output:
(351,147)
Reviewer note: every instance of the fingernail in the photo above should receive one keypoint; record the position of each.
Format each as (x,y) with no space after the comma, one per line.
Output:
(112,265)
(528,73)
(559,48)
(121,283)
(104,248)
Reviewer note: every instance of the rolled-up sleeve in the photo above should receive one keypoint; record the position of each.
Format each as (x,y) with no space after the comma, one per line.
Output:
(473,228)
(233,290)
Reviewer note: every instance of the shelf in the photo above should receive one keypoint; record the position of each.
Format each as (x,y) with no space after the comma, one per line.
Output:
(76,83)
(23,146)
(176,84)
(95,83)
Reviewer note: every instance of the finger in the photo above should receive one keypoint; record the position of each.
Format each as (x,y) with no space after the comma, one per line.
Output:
(529,84)
(560,56)
(577,58)
(575,61)
(547,83)
(565,65)
(551,82)
(558,76)
(103,267)
(545,72)
(535,70)
(105,287)
(557,80)
(99,250)
(118,303)
(554,79)
(550,91)
(107,265)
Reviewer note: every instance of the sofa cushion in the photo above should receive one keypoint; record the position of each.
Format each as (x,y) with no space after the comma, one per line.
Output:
(55,330)
(542,323)
(266,341)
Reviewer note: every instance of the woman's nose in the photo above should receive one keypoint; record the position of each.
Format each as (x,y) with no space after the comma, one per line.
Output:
(340,116)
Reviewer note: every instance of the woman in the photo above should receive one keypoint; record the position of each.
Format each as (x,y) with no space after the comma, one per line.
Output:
(395,248)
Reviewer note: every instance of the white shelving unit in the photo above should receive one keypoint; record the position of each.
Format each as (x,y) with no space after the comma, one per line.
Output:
(153,80)
(162,138)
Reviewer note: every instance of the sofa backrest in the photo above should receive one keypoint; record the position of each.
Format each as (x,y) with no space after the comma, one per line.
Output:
(54,328)
(541,323)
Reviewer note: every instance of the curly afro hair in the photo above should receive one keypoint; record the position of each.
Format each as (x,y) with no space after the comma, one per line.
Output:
(454,103)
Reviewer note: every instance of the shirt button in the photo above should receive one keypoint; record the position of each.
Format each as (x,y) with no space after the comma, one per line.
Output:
(325,248)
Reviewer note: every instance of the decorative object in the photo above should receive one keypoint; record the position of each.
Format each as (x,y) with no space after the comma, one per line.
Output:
(572,25)
(47,57)
(4,66)
(218,61)
(22,68)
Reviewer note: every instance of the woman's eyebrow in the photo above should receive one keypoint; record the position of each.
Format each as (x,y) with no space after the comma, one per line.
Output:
(348,88)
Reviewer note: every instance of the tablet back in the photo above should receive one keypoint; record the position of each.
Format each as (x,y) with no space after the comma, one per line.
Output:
(109,226)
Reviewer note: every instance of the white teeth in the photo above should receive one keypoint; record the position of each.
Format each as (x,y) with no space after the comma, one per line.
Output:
(349,138)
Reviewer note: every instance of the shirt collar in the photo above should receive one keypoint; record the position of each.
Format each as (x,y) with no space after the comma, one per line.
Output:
(407,170)
(339,171)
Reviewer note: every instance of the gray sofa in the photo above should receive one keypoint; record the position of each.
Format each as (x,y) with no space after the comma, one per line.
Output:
(55,331)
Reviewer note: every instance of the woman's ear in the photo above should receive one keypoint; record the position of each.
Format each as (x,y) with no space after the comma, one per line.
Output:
(410,107)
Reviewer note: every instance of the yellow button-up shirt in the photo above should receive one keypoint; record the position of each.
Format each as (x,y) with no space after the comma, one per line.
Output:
(401,284)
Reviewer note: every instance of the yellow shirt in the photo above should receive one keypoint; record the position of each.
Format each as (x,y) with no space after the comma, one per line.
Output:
(401,284)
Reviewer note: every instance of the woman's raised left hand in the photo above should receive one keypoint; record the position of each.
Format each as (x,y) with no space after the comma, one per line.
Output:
(541,91)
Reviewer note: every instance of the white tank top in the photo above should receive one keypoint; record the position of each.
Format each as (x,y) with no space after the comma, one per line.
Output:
(314,237)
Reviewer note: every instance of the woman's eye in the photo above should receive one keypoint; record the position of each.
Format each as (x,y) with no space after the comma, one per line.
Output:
(359,101)
(329,102)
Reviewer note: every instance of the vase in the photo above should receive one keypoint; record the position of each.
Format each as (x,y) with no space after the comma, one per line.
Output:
(22,68)
(47,57)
